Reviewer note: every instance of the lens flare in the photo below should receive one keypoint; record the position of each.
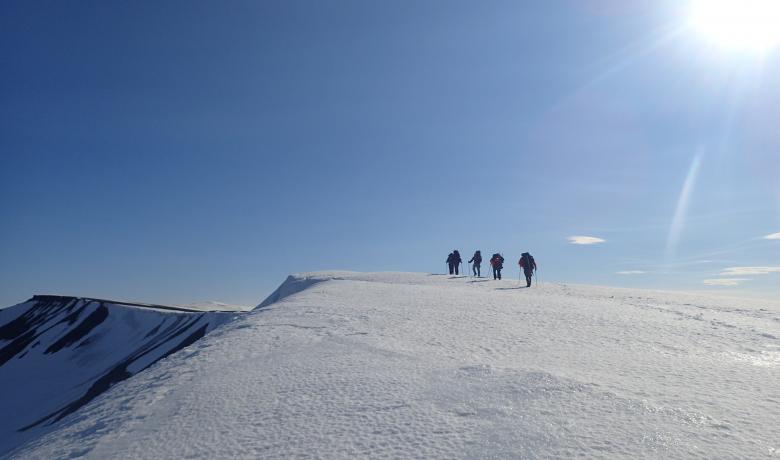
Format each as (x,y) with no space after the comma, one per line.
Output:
(681,212)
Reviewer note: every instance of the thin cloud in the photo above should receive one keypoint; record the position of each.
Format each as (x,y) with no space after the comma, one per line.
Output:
(585,240)
(725,281)
(742,271)
(631,272)
(773,236)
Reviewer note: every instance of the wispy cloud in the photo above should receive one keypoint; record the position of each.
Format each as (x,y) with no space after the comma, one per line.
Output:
(773,236)
(725,281)
(631,272)
(585,240)
(742,271)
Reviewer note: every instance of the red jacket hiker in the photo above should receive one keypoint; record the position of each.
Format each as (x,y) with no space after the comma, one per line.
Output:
(528,264)
(497,262)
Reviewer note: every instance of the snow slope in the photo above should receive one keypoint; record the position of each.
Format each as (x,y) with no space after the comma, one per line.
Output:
(345,365)
(212,305)
(59,353)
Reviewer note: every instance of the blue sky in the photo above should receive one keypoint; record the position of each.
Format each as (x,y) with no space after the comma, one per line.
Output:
(175,152)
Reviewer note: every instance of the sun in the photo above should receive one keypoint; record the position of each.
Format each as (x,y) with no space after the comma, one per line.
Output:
(744,25)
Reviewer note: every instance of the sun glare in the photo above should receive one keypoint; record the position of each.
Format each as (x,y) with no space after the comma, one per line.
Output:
(745,25)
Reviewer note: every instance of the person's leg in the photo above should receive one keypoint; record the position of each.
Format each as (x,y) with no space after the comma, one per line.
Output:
(528,275)
(495,277)
(457,265)
(452,269)
(499,273)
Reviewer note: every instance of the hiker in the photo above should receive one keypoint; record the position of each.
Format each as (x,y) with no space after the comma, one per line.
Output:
(477,261)
(528,264)
(453,261)
(497,262)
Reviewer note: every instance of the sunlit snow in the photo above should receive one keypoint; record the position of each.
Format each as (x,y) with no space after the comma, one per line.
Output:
(402,365)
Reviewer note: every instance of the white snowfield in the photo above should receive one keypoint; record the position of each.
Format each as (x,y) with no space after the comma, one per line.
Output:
(403,365)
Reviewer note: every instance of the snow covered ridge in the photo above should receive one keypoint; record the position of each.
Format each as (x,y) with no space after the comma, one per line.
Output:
(409,365)
(58,353)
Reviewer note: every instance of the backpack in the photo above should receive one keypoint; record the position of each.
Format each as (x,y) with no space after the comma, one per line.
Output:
(497,261)
(528,261)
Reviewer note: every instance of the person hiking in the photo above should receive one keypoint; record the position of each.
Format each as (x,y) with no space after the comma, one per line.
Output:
(497,262)
(528,264)
(477,261)
(453,261)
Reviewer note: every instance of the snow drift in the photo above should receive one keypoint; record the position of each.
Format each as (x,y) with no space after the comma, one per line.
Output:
(352,365)
(59,353)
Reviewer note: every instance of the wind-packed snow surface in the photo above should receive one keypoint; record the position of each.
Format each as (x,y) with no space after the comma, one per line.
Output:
(349,365)
(59,353)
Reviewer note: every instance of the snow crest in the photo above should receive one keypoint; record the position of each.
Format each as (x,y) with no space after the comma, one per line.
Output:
(59,353)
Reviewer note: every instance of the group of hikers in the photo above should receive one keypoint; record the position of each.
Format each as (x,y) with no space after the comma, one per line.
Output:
(526,262)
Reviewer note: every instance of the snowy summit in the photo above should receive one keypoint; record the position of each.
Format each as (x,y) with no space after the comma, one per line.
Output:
(405,365)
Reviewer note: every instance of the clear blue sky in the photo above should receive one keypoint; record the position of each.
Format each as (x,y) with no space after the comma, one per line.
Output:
(184,151)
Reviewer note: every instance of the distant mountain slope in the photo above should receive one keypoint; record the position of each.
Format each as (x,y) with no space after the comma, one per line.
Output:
(407,365)
(59,353)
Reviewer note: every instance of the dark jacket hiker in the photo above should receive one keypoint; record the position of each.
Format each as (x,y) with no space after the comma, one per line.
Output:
(453,261)
(477,260)
(528,264)
(497,262)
